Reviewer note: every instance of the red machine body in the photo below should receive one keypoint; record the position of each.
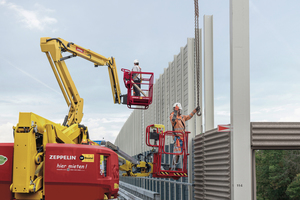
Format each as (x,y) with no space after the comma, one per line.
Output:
(6,169)
(74,171)
(138,102)
(159,137)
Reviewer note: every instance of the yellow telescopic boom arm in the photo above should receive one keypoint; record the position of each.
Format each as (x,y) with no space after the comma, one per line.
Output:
(53,47)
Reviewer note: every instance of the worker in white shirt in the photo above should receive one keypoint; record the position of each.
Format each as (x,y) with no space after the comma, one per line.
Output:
(137,77)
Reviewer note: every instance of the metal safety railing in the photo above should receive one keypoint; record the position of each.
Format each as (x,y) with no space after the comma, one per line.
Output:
(124,195)
(134,192)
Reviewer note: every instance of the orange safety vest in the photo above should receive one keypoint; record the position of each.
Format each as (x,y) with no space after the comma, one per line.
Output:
(179,123)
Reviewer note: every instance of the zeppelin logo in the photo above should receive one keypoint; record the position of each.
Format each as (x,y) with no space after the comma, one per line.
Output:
(62,157)
(80,50)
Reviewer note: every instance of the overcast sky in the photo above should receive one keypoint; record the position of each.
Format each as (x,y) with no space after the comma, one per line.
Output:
(153,32)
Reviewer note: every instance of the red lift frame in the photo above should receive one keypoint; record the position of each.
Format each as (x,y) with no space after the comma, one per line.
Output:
(139,102)
(157,156)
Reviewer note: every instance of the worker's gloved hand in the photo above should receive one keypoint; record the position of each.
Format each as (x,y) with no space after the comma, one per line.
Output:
(174,116)
(198,109)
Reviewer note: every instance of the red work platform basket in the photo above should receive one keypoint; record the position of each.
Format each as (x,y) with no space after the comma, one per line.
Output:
(155,137)
(146,89)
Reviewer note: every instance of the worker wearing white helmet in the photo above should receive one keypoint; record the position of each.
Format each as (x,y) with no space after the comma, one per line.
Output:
(137,77)
(178,124)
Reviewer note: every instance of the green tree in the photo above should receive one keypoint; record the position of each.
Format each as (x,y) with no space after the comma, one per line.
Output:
(293,190)
(275,174)
(271,180)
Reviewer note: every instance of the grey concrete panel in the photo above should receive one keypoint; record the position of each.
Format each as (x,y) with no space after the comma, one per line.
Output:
(275,135)
(212,165)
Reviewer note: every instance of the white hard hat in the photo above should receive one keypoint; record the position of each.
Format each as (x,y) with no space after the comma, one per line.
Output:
(177,104)
(136,61)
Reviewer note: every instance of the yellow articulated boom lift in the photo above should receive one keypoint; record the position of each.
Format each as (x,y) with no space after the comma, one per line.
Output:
(52,161)
(53,47)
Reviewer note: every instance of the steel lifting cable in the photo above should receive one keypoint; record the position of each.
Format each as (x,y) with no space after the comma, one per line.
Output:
(197,51)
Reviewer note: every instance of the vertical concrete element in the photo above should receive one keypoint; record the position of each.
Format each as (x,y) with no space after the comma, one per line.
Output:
(240,100)
(173,88)
(163,99)
(199,127)
(174,80)
(179,69)
(167,100)
(155,102)
(191,105)
(133,131)
(185,79)
(208,73)
(158,98)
